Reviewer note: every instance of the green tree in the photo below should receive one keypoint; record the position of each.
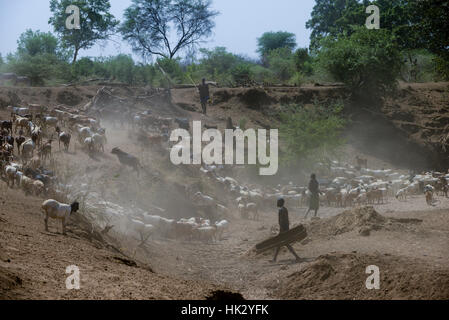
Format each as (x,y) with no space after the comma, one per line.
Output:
(84,67)
(303,61)
(242,74)
(148,23)
(310,134)
(34,43)
(275,40)
(38,68)
(366,61)
(281,62)
(173,68)
(330,18)
(39,57)
(218,60)
(431,27)
(121,68)
(96,23)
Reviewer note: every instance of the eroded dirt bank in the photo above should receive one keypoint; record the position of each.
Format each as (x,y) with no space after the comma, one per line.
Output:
(408,240)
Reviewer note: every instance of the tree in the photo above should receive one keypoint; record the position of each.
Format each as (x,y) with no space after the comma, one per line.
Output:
(242,74)
(148,23)
(368,61)
(38,56)
(311,133)
(96,23)
(218,60)
(275,40)
(330,18)
(281,62)
(431,26)
(303,61)
(37,43)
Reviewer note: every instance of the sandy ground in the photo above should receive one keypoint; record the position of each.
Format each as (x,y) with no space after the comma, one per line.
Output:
(424,244)
(413,255)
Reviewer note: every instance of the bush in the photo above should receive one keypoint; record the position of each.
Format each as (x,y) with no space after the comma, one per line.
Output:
(261,74)
(173,68)
(38,68)
(441,68)
(281,63)
(310,134)
(368,61)
(297,79)
(303,61)
(242,74)
(419,66)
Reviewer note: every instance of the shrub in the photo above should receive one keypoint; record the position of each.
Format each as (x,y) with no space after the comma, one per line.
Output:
(310,134)
(242,74)
(368,61)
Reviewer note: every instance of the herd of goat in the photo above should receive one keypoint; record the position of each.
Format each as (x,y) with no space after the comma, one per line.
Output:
(342,185)
(26,146)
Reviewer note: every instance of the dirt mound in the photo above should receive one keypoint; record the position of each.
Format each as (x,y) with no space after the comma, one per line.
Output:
(255,98)
(361,219)
(343,276)
(68,98)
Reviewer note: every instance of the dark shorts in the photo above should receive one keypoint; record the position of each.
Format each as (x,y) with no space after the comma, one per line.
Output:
(204,99)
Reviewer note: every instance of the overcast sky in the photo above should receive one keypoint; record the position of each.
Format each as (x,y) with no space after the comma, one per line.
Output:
(238,26)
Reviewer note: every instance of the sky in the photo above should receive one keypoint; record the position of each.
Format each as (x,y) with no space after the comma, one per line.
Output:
(238,25)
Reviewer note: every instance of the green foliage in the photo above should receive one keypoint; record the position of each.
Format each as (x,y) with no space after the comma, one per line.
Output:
(218,60)
(96,23)
(331,18)
(419,66)
(309,134)
(442,68)
(297,79)
(148,23)
(173,68)
(242,74)
(34,43)
(261,74)
(368,61)
(122,68)
(281,62)
(242,123)
(39,56)
(37,68)
(303,61)
(431,27)
(275,40)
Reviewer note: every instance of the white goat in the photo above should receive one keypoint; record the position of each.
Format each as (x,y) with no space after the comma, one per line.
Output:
(57,210)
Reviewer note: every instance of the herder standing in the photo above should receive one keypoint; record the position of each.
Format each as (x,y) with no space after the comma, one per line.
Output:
(314,188)
(203,88)
(284,226)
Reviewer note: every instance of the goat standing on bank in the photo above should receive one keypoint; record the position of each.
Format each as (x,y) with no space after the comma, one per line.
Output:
(127,159)
(57,210)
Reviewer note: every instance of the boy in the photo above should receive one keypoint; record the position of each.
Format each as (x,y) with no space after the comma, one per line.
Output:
(284,226)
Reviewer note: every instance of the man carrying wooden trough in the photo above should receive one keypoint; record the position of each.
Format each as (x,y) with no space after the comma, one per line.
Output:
(284,226)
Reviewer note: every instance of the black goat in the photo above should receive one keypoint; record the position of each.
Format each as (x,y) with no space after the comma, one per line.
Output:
(127,159)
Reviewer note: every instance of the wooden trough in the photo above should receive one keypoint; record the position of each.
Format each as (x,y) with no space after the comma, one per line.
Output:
(295,234)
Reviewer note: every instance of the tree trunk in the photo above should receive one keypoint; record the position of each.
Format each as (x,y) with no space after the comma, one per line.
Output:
(75,55)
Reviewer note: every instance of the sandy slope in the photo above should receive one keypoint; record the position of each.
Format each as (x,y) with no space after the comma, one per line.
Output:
(413,257)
